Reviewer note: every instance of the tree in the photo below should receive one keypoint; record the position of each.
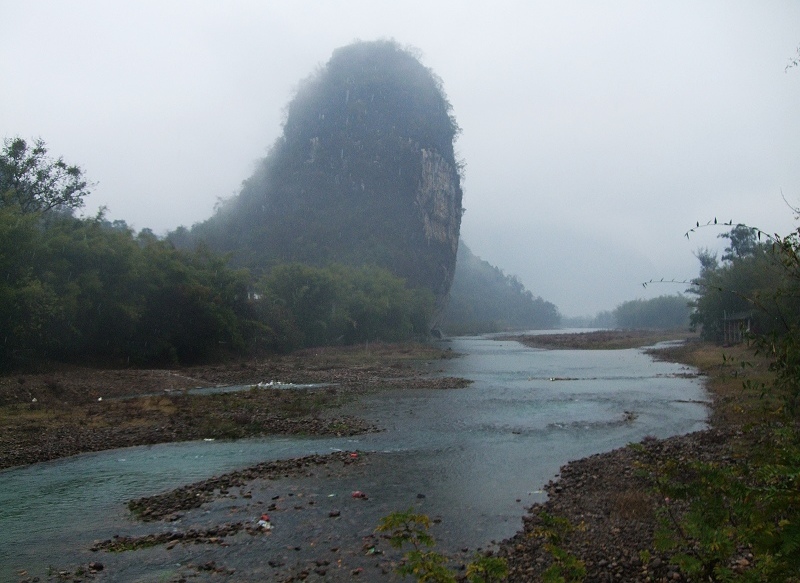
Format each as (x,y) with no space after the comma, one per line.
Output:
(484,299)
(743,242)
(340,304)
(34,182)
(663,312)
(751,280)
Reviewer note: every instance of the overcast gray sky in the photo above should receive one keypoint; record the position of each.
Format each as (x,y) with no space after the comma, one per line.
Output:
(595,133)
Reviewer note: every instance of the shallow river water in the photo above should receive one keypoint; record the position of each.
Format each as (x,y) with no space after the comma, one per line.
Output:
(474,457)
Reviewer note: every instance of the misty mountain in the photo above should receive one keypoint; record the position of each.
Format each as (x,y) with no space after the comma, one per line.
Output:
(363,174)
(484,299)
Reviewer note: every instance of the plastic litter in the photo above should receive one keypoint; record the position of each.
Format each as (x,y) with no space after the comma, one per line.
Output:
(359,494)
(264,523)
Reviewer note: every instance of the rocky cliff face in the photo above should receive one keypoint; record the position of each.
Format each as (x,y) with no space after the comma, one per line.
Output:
(364,173)
(439,201)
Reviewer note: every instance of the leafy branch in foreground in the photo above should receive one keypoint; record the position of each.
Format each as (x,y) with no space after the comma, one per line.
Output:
(411,529)
(32,181)
(565,567)
(737,518)
(734,520)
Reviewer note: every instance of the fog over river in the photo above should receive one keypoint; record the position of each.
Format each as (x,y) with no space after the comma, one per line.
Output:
(474,457)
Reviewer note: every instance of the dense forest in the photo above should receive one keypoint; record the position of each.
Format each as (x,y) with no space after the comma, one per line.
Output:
(667,312)
(484,299)
(92,290)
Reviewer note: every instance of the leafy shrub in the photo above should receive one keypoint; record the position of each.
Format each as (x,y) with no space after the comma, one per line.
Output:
(411,529)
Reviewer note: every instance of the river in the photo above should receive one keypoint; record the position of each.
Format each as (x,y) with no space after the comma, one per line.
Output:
(474,458)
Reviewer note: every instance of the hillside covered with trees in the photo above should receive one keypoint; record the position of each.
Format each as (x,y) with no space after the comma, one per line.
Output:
(363,174)
(484,299)
(667,312)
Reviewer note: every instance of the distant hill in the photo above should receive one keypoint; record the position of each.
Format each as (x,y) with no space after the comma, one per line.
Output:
(363,174)
(484,299)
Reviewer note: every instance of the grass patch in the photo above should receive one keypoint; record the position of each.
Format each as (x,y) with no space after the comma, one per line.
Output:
(601,339)
(370,354)
(732,375)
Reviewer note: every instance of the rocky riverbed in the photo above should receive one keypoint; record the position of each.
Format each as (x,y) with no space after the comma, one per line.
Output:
(606,498)
(69,410)
(610,503)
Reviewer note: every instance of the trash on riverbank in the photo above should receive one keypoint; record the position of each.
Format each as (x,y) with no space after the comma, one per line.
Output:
(264,522)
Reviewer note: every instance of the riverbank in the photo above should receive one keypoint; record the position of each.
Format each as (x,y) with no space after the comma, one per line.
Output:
(70,410)
(599,491)
(601,339)
(609,501)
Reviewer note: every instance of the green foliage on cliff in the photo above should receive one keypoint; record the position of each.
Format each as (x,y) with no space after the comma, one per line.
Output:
(341,184)
(484,299)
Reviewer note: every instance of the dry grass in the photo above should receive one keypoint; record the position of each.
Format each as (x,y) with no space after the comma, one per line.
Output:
(632,505)
(370,354)
(734,376)
(603,339)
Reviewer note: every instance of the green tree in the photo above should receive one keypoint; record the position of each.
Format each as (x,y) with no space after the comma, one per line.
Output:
(340,304)
(34,182)
(91,290)
(743,242)
(663,312)
(25,303)
(750,280)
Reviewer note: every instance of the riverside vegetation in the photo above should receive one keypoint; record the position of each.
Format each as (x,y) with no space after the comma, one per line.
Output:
(718,505)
